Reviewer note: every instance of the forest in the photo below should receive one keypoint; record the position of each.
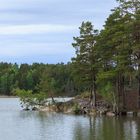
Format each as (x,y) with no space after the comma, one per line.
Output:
(36,77)
(106,62)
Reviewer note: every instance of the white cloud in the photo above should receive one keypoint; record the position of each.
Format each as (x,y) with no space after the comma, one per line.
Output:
(30,27)
(35,29)
(29,49)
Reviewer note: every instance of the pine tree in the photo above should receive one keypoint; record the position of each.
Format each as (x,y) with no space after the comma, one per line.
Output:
(85,60)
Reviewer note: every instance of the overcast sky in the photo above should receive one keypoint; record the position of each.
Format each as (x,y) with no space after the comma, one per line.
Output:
(43,30)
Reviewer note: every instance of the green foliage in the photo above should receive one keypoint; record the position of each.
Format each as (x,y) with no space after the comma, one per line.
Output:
(85,63)
(26,97)
(76,109)
(107,92)
(30,100)
(54,79)
(83,95)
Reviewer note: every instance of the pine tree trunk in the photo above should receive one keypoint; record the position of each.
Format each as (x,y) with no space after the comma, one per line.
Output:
(118,93)
(53,101)
(139,84)
(123,93)
(93,93)
(138,79)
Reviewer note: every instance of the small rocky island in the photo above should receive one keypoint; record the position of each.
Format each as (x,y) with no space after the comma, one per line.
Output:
(78,105)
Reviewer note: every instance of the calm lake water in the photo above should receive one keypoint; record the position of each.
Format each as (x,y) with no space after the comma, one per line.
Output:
(16,124)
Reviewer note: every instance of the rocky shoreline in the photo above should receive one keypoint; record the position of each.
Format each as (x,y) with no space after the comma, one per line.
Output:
(79,107)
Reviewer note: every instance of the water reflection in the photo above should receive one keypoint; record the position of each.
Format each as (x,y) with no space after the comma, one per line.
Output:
(104,128)
(21,125)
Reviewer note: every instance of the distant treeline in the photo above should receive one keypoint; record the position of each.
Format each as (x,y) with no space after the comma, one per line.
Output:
(37,77)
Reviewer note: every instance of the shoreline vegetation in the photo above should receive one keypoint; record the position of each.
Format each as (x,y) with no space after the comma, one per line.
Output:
(78,105)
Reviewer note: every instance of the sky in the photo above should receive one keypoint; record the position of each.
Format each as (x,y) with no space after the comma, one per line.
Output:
(42,30)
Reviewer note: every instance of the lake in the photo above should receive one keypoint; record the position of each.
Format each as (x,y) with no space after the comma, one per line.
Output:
(16,124)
